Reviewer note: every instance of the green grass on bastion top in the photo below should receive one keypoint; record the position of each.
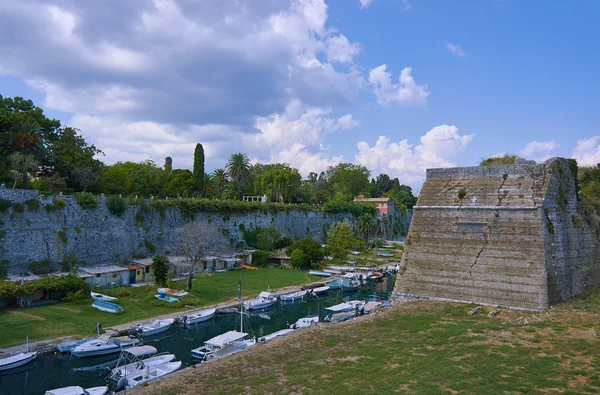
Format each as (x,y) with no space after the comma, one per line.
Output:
(79,319)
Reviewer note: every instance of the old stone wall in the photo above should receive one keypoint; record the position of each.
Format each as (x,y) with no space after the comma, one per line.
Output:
(97,237)
(505,235)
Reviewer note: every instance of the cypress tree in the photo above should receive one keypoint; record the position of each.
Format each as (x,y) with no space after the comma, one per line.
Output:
(199,166)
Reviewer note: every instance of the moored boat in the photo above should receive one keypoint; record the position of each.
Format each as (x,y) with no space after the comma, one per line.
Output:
(166,298)
(103,345)
(107,307)
(104,298)
(319,290)
(155,327)
(336,284)
(138,370)
(15,360)
(319,273)
(68,346)
(274,335)
(350,284)
(305,322)
(264,300)
(197,316)
(172,292)
(293,296)
(77,390)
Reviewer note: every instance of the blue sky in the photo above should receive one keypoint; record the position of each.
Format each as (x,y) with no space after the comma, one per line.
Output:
(313,82)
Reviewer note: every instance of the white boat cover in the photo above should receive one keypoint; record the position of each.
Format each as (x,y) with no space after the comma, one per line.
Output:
(225,338)
(76,390)
(141,351)
(320,289)
(264,294)
(15,358)
(275,334)
(340,307)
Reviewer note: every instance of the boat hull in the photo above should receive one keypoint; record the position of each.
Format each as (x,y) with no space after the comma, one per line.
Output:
(27,358)
(149,330)
(197,318)
(260,305)
(107,307)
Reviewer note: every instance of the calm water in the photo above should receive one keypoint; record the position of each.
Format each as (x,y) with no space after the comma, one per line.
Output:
(60,371)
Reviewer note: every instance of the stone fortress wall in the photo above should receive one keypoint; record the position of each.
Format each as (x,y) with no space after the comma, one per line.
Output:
(97,237)
(507,235)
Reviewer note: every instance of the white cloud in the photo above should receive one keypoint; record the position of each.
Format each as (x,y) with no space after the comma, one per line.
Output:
(587,151)
(438,148)
(539,150)
(456,49)
(339,49)
(365,3)
(406,91)
(407,5)
(499,155)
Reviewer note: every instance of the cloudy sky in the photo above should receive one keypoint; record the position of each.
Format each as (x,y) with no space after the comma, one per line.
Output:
(396,85)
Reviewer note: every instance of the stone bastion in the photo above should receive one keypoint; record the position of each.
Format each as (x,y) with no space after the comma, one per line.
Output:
(506,235)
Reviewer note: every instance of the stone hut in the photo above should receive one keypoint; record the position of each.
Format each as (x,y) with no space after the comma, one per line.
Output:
(508,235)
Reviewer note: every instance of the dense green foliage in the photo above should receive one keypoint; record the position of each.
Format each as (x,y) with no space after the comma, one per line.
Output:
(312,252)
(299,260)
(68,283)
(116,205)
(5,205)
(354,208)
(199,166)
(365,224)
(341,239)
(160,269)
(86,200)
(260,258)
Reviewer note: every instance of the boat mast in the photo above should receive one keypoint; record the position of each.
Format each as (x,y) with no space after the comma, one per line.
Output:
(241,306)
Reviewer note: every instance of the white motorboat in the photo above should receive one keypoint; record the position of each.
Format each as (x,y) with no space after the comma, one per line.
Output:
(264,300)
(350,284)
(225,344)
(197,316)
(68,346)
(293,296)
(339,317)
(103,345)
(343,311)
(15,360)
(136,370)
(155,327)
(304,322)
(319,290)
(104,298)
(77,390)
(172,292)
(274,335)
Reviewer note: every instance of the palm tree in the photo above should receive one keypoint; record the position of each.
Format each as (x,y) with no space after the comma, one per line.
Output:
(220,176)
(238,167)
(365,226)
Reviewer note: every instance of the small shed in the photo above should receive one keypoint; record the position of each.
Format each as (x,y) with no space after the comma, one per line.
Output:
(108,276)
(146,267)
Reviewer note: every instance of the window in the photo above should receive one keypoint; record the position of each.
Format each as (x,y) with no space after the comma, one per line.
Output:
(147,269)
(98,275)
(115,275)
(137,273)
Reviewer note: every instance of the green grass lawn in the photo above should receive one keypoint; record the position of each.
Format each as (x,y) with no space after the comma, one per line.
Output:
(70,318)
(418,348)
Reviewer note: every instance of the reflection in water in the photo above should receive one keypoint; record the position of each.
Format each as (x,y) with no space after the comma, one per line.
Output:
(61,371)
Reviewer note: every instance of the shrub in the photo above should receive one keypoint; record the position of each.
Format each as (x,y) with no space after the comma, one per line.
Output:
(299,259)
(86,200)
(267,238)
(354,208)
(260,258)
(40,267)
(116,205)
(4,268)
(18,208)
(312,250)
(462,193)
(160,269)
(77,296)
(57,204)
(503,160)
(32,204)
(68,283)
(62,236)
(149,246)
(4,205)
(70,263)
(250,235)
(283,242)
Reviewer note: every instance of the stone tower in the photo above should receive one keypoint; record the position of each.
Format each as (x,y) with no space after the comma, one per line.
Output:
(508,235)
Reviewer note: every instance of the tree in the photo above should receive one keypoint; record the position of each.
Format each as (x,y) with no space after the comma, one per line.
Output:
(383,183)
(278,181)
(312,250)
(238,168)
(160,269)
(340,239)
(267,238)
(25,139)
(180,182)
(194,242)
(168,164)
(69,151)
(366,226)
(299,260)
(20,164)
(199,167)
(349,179)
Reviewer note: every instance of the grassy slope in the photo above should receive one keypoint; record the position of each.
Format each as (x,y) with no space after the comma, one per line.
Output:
(69,318)
(420,348)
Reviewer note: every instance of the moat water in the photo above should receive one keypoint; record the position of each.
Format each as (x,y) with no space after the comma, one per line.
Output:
(64,370)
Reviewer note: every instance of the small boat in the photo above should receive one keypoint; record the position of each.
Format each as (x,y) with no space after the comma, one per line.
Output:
(136,370)
(68,346)
(370,307)
(171,292)
(319,290)
(293,296)
(264,300)
(319,273)
(227,310)
(274,335)
(339,317)
(336,284)
(350,284)
(385,254)
(375,276)
(225,344)
(77,390)
(155,327)
(103,345)
(354,253)
(166,298)
(248,267)
(104,298)
(15,360)
(107,307)
(343,311)
(305,322)
(197,316)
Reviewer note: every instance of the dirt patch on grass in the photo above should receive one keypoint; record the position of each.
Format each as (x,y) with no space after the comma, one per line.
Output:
(28,315)
(69,309)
